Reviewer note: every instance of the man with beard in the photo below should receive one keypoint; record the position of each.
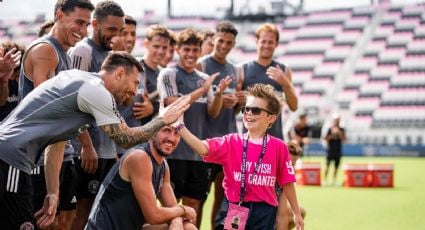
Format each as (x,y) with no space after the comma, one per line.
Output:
(128,196)
(45,58)
(59,109)
(128,33)
(88,55)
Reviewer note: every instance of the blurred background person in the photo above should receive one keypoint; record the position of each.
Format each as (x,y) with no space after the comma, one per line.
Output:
(334,138)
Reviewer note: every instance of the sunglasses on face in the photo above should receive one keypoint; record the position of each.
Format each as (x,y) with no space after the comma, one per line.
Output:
(253,110)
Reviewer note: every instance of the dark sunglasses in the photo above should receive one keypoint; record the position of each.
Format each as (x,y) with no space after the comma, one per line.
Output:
(253,110)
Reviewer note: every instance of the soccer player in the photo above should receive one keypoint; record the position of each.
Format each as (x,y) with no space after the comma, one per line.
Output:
(59,109)
(129,193)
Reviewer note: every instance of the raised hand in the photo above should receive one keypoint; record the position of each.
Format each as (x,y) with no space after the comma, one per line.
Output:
(9,61)
(240,94)
(117,44)
(277,74)
(208,82)
(143,109)
(175,110)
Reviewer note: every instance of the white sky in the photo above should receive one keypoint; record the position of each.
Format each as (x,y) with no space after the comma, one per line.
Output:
(27,9)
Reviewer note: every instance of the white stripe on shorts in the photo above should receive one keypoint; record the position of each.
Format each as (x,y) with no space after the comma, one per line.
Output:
(12,180)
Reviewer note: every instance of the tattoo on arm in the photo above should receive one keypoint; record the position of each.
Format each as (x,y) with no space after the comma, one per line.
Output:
(127,137)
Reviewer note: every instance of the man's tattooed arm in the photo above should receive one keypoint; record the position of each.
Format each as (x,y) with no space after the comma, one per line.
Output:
(127,137)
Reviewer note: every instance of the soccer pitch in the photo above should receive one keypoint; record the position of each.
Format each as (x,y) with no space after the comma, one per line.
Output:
(334,208)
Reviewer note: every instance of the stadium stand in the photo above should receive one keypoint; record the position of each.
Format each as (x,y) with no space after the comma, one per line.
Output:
(366,63)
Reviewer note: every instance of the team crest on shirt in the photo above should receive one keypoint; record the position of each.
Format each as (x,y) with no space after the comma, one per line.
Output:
(26,226)
(93,186)
(200,82)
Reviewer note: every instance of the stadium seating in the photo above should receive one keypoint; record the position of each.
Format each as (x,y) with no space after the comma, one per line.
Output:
(367,63)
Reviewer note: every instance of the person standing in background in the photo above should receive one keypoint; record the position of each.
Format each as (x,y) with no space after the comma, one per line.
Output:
(267,71)
(207,46)
(334,138)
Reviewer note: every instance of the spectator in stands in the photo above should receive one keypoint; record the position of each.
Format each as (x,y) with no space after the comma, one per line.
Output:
(128,33)
(44,59)
(285,214)
(45,28)
(256,158)
(334,138)
(133,185)
(9,85)
(170,51)
(88,55)
(301,131)
(268,71)
(188,172)
(225,123)
(207,42)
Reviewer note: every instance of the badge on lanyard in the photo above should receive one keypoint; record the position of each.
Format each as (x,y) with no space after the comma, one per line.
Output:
(237,217)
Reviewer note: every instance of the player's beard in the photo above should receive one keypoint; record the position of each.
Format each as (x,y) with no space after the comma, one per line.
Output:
(160,152)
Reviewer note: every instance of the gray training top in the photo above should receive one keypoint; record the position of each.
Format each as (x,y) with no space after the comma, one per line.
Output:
(26,85)
(57,110)
(88,56)
(175,81)
(255,73)
(225,123)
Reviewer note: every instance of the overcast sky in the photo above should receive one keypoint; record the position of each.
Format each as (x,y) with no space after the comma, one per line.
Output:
(27,9)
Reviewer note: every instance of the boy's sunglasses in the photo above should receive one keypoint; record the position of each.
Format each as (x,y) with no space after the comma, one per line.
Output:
(253,110)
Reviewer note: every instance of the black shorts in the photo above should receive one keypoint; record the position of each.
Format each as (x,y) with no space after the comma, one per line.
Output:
(67,187)
(89,184)
(16,210)
(189,178)
(261,215)
(333,157)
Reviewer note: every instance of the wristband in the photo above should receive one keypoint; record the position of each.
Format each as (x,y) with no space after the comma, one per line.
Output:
(179,127)
(184,210)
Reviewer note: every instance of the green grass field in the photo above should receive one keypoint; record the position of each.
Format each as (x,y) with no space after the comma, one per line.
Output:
(401,207)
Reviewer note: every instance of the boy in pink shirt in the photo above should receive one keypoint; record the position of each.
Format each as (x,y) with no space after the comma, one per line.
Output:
(252,163)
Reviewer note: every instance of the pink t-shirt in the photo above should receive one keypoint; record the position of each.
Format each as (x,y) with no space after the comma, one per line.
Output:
(275,168)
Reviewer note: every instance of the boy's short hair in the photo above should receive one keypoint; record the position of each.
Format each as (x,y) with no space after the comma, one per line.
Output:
(267,93)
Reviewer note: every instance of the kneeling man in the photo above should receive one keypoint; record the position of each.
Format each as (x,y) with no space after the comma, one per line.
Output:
(128,196)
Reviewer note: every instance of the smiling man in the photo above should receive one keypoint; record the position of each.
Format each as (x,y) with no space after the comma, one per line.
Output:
(88,55)
(128,195)
(45,58)
(58,110)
